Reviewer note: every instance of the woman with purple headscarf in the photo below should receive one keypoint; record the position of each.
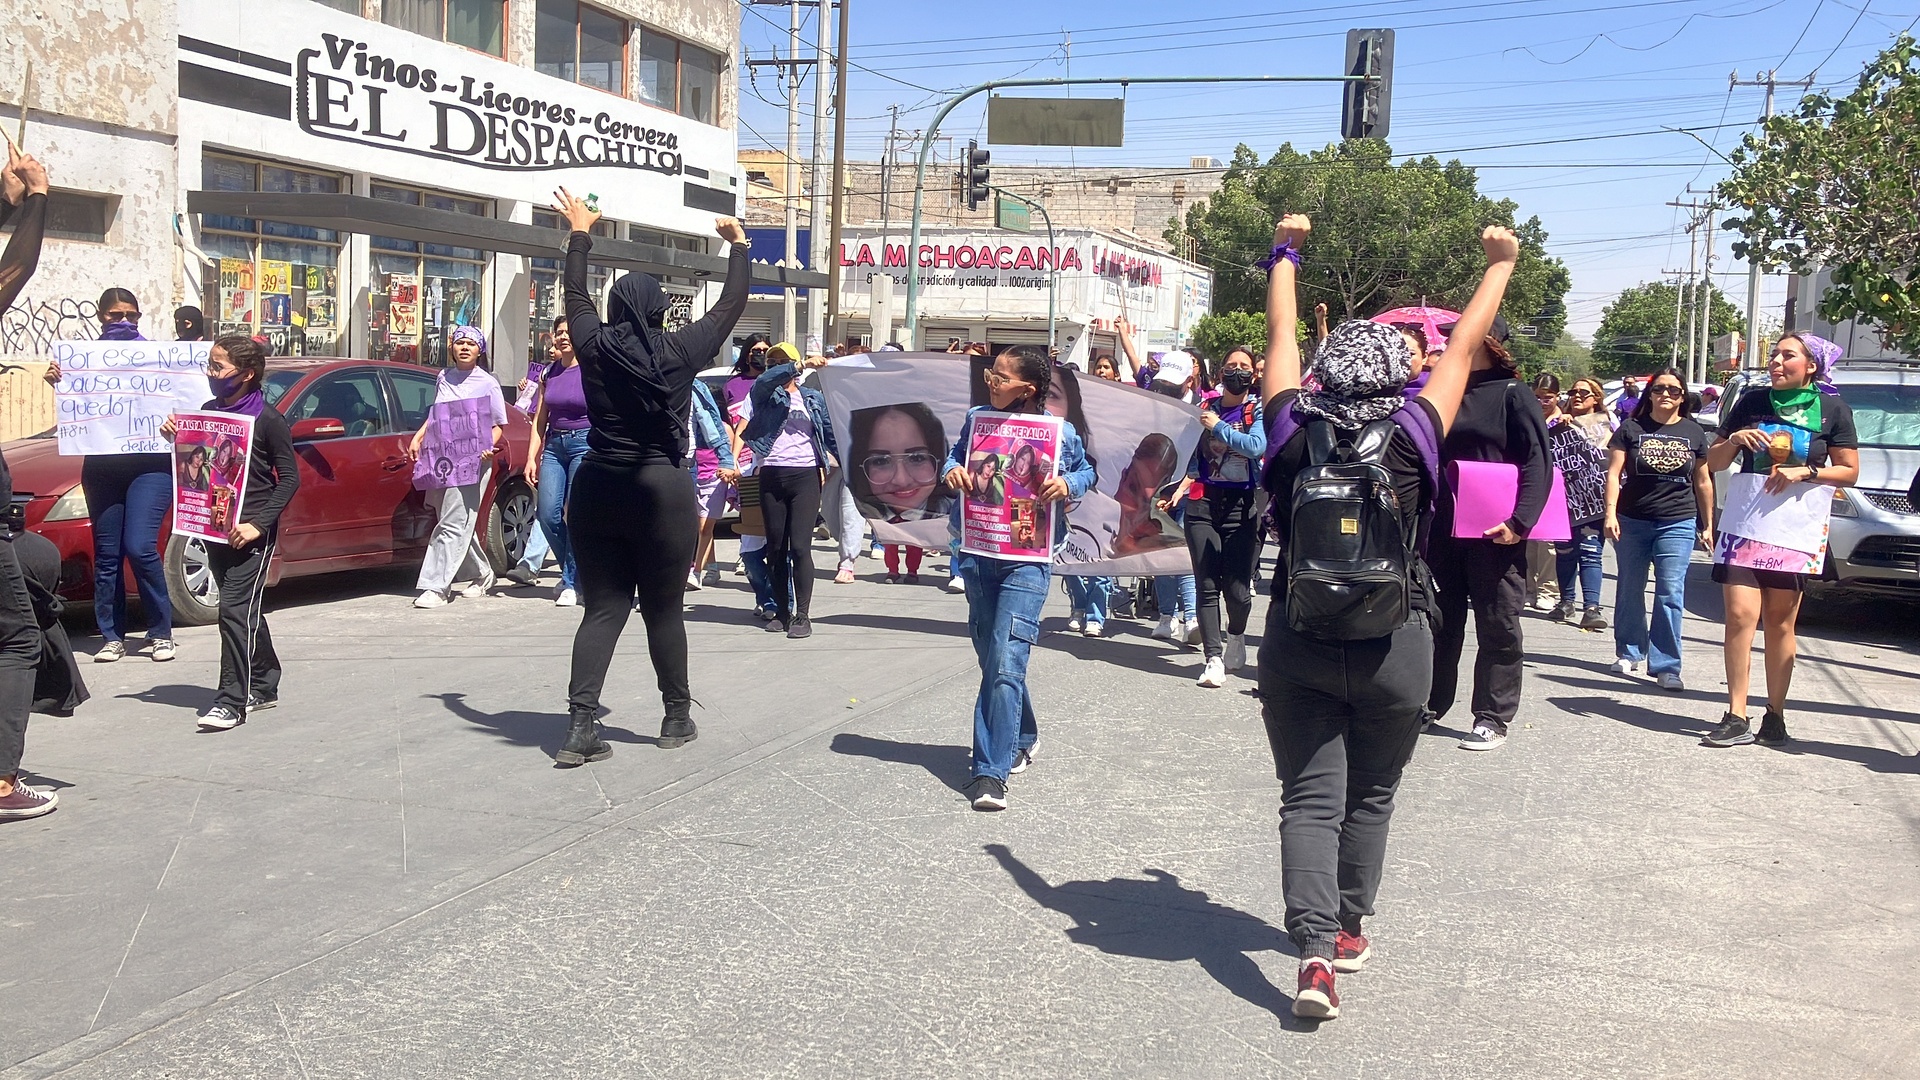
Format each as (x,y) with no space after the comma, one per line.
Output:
(1795,431)
(455,552)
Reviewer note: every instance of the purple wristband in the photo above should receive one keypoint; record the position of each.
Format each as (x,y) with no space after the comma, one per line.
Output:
(1280,251)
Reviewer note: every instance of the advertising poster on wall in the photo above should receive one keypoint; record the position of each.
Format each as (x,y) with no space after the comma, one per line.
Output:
(210,455)
(1009,458)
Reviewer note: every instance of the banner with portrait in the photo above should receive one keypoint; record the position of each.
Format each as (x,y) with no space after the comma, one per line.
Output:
(896,415)
(211,451)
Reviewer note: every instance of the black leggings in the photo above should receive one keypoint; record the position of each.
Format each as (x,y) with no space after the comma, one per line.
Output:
(633,529)
(790,499)
(1223,536)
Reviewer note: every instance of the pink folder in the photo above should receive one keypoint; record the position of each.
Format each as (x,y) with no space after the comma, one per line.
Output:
(1484,493)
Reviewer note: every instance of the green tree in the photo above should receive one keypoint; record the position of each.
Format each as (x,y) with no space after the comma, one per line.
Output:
(1636,330)
(1834,185)
(1385,235)
(1214,334)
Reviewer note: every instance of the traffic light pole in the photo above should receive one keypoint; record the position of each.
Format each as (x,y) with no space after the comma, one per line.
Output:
(1053,273)
(933,129)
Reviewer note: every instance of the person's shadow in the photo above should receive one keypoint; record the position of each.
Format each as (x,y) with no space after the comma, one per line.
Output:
(546,730)
(1160,919)
(949,763)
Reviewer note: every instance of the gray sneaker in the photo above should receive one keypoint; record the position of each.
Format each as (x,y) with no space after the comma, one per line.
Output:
(1484,737)
(111,653)
(162,650)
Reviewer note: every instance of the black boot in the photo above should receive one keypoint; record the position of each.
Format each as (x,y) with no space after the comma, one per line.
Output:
(677,729)
(584,743)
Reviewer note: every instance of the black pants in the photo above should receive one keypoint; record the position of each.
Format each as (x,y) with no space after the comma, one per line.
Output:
(19,657)
(791,500)
(249,667)
(1223,536)
(1492,579)
(633,529)
(1343,718)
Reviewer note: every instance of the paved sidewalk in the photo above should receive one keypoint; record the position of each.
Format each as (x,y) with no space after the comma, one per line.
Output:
(387,878)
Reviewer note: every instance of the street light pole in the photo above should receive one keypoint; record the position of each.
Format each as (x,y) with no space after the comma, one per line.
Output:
(926,148)
(1053,273)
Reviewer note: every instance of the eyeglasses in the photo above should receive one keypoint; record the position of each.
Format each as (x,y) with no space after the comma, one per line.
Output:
(997,380)
(1579,393)
(881,467)
(119,316)
(1665,390)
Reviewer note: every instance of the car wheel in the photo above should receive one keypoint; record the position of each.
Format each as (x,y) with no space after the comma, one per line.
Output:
(510,525)
(190,583)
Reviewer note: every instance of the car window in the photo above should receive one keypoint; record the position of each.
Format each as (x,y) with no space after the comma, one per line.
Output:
(415,394)
(1885,416)
(278,383)
(351,397)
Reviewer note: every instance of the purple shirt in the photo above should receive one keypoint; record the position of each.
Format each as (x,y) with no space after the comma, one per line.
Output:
(566,400)
(793,447)
(472,384)
(737,389)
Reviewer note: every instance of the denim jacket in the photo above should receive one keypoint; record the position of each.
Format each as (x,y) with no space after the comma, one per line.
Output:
(710,427)
(769,398)
(1075,469)
(1250,444)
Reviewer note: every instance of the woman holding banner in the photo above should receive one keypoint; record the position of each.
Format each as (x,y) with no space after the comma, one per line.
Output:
(1004,597)
(455,545)
(632,516)
(1795,431)
(249,667)
(128,496)
(1222,524)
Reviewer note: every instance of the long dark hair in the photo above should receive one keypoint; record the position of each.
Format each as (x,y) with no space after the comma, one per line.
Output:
(1069,381)
(117,295)
(740,365)
(932,432)
(245,354)
(1643,412)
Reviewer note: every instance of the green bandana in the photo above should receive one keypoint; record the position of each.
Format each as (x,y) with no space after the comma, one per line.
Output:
(1801,407)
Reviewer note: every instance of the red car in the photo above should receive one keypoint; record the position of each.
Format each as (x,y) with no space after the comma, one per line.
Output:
(357,507)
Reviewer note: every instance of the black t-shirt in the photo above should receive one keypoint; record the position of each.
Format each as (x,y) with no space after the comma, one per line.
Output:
(1756,407)
(1657,482)
(1410,483)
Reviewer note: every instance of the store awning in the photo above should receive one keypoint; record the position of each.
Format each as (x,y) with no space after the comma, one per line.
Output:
(378,217)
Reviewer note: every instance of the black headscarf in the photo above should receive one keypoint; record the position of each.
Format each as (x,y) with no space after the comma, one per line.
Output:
(189,324)
(635,327)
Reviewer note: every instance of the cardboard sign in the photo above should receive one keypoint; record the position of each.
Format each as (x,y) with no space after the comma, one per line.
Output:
(211,452)
(458,432)
(113,395)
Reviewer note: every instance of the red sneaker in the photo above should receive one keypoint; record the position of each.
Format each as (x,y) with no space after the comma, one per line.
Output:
(1315,998)
(25,802)
(1350,952)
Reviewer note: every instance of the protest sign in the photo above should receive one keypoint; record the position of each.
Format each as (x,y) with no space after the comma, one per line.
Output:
(1010,457)
(1734,550)
(900,412)
(211,451)
(113,395)
(1797,519)
(458,432)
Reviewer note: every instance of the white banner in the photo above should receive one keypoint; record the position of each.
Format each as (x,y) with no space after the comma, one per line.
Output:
(1797,519)
(112,395)
(897,416)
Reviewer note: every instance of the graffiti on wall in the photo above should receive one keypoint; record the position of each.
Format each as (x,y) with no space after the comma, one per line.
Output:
(30,327)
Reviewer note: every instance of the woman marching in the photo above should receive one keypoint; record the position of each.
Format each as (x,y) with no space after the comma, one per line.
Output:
(715,474)
(1222,524)
(1342,698)
(1583,466)
(559,442)
(249,667)
(1659,507)
(455,547)
(793,444)
(631,515)
(1004,597)
(1794,407)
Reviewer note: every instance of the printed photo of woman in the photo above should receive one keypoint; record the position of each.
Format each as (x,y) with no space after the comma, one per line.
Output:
(989,483)
(1144,526)
(897,450)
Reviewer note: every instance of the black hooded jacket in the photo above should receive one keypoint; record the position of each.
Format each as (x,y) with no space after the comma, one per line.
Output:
(638,378)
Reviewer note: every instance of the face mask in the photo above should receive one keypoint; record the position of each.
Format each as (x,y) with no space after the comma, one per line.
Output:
(1237,380)
(225,386)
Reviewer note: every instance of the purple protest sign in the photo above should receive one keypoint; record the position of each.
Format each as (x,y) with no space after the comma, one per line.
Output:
(458,432)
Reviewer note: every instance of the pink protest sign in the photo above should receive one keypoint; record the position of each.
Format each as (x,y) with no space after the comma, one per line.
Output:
(1009,459)
(1484,494)
(458,432)
(210,455)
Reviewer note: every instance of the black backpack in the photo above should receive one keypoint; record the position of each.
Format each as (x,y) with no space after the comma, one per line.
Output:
(1350,559)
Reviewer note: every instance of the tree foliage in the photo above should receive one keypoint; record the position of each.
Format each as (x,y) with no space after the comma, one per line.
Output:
(1214,334)
(1385,235)
(1636,331)
(1835,184)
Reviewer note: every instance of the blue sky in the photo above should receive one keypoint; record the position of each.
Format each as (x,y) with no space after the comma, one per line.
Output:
(1589,83)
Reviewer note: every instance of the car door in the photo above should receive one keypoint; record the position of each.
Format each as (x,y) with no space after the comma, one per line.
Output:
(348,482)
(412,519)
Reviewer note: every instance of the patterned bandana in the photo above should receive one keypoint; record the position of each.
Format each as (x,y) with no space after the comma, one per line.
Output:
(470,334)
(1361,369)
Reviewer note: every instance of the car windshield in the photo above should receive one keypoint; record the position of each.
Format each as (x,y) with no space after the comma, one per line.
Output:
(1887,417)
(278,383)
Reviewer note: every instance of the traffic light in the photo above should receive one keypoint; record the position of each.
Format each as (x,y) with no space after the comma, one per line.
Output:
(973,175)
(1364,106)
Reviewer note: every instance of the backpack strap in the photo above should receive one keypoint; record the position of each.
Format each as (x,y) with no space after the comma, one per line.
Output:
(1371,445)
(1322,441)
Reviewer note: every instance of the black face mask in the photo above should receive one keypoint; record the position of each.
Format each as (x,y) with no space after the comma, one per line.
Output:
(1237,380)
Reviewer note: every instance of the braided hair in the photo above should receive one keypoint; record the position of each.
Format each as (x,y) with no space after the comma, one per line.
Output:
(1036,370)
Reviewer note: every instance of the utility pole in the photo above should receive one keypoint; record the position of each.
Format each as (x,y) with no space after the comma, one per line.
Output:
(1770,80)
(789,190)
(886,208)
(1685,291)
(816,208)
(1699,370)
(839,172)
(1680,285)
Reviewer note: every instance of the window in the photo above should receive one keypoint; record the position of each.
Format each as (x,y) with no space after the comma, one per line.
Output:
(272,278)
(414,394)
(699,85)
(354,398)
(679,77)
(477,24)
(73,215)
(351,7)
(582,44)
(422,291)
(659,70)
(544,297)
(278,383)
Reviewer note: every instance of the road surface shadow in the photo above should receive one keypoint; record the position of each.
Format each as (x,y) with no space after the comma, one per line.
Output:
(175,695)
(1878,759)
(546,730)
(950,764)
(1158,918)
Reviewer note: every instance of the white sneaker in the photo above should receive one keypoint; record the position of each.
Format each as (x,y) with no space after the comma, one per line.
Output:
(1169,628)
(431,599)
(1075,622)
(1094,629)
(1193,631)
(567,598)
(1214,675)
(221,718)
(693,582)
(956,583)
(1236,652)
(1670,680)
(479,588)
(1623,667)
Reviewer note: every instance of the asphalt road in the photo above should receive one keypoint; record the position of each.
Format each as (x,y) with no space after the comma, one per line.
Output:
(386,877)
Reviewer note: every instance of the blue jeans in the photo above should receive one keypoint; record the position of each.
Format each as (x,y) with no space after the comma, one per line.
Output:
(560,459)
(1580,555)
(1003,617)
(1668,547)
(1175,595)
(127,512)
(1088,595)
